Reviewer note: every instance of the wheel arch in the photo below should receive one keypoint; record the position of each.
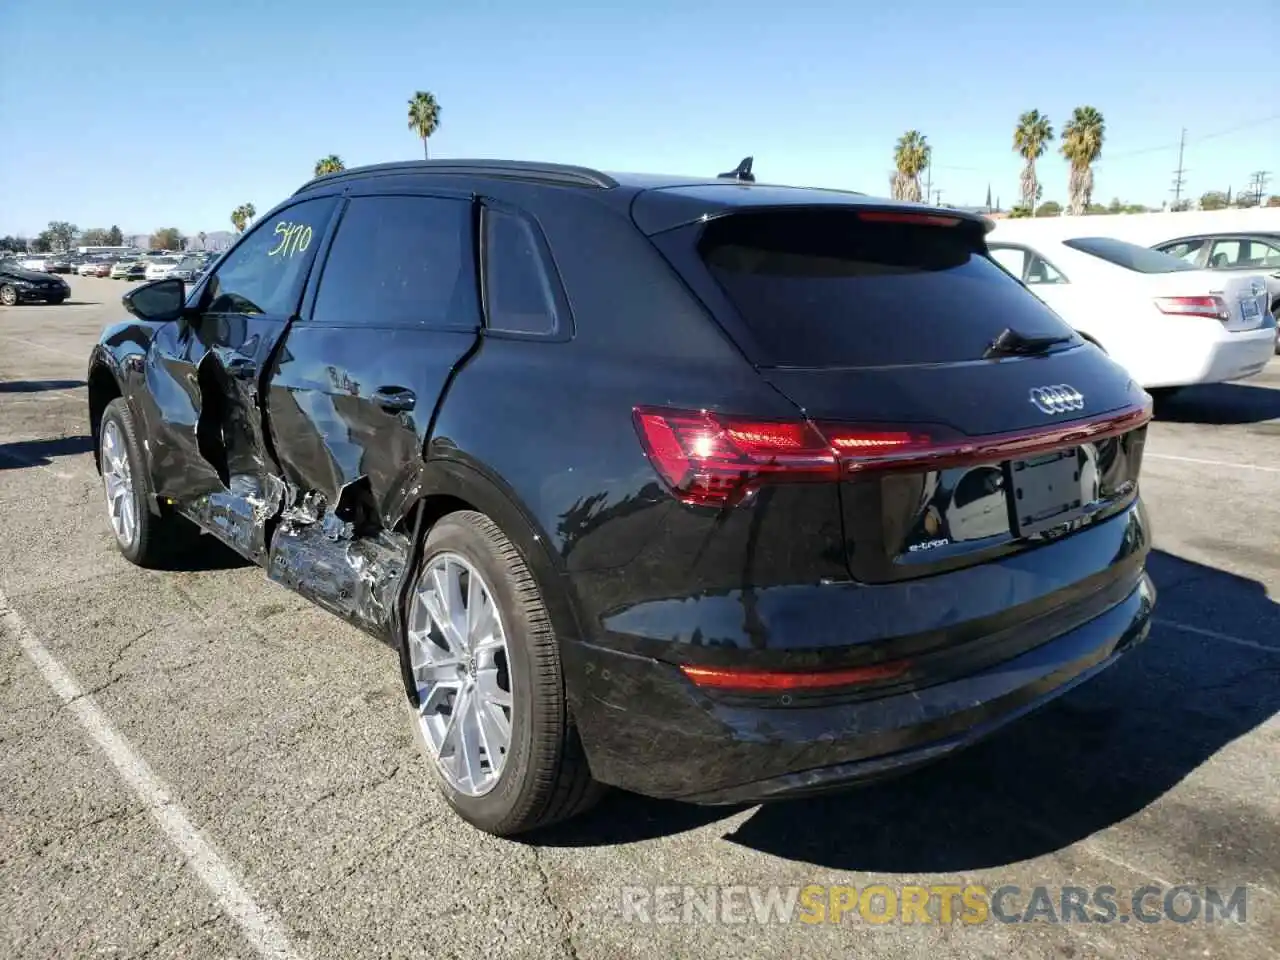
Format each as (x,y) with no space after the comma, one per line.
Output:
(103,387)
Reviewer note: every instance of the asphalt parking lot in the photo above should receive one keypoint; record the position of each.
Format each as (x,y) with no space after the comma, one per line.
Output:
(199,764)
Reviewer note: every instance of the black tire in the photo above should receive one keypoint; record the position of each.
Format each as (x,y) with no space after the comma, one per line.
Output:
(8,295)
(1160,394)
(545,778)
(160,537)
(54,301)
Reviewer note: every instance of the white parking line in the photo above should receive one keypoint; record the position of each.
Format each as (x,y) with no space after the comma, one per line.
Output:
(43,346)
(261,927)
(1215,635)
(1211,463)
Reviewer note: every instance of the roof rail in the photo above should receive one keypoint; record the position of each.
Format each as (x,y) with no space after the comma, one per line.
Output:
(556,173)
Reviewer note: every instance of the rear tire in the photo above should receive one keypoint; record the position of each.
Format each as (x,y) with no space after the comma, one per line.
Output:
(143,538)
(542,775)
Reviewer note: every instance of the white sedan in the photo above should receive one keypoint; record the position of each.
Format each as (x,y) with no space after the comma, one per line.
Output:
(1168,323)
(160,267)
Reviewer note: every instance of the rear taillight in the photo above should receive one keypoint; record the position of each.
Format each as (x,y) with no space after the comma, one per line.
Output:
(1215,308)
(713,460)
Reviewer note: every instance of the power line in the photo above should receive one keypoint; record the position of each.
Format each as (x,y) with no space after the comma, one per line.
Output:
(1207,136)
(1257,184)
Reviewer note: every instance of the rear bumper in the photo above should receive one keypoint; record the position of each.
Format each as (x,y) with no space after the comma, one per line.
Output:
(1229,356)
(649,730)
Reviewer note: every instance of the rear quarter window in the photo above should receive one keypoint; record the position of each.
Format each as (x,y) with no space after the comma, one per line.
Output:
(1130,256)
(821,288)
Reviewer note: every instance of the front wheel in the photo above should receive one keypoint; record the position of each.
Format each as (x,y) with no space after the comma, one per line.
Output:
(8,294)
(145,538)
(492,717)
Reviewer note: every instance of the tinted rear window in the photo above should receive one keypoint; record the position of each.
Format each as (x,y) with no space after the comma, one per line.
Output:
(824,289)
(1128,255)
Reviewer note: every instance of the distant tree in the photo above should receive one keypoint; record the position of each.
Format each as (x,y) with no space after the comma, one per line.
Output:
(1134,208)
(330,164)
(1274,200)
(1213,200)
(1115,206)
(1031,138)
(166,238)
(61,233)
(910,156)
(1245,200)
(988,196)
(424,118)
(114,237)
(1082,140)
(95,237)
(14,244)
(1180,206)
(201,237)
(42,243)
(1050,208)
(1019,212)
(1094,209)
(242,215)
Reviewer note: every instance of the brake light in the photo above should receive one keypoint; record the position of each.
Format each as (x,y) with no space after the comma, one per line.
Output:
(1215,308)
(764,681)
(716,461)
(713,460)
(920,219)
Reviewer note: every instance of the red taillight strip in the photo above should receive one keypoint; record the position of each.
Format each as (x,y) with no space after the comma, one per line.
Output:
(1005,446)
(763,681)
(919,219)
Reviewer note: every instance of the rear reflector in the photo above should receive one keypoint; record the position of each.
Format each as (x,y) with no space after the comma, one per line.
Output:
(713,460)
(1215,308)
(763,681)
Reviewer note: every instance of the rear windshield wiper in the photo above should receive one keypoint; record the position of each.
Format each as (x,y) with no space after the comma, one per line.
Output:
(1011,343)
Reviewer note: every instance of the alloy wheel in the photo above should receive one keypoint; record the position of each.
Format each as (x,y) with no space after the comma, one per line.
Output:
(461,669)
(117,478)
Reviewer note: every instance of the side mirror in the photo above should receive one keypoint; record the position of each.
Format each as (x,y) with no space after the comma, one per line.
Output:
(159,301)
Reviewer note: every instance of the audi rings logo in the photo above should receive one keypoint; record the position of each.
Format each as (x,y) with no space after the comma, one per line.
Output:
(1059,398)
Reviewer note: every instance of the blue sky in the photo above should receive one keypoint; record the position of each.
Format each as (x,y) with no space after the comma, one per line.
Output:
(149,115)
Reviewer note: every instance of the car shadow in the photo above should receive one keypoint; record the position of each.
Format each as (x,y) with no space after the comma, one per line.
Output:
(1100,754)
(205,554)
(1220,404)
(39,453)
(35,386)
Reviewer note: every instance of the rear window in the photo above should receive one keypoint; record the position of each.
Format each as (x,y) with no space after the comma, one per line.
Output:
(821,288)
(1128,255)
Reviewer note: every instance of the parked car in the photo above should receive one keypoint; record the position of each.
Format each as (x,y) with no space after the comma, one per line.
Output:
(1167,322)
(1234,252)
(37,264)
(60,264)
(189,269)
(94,268)
(157,268)
(19,285)
(129,270)
(647,480)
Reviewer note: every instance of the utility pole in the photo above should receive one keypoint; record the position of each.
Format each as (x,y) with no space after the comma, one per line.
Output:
(1179,181)
(928,180)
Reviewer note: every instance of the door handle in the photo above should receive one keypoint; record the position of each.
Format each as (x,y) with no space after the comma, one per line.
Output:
(395,399)
(243,368)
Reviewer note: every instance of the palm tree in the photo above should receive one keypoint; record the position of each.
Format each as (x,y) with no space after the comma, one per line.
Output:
(1082,145)
(910,156)
(250,211)
(202,235)
(424,117)
(1030,140)
(330,164)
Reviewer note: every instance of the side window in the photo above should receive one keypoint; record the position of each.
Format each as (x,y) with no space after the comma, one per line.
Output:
(1040,270)
(401,261)
(1013,259)
(267,271)
(1187,250)
(518,289)
(1266,254)
(1225,253)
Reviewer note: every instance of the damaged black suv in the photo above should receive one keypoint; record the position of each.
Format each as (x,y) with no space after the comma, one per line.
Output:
(706,489)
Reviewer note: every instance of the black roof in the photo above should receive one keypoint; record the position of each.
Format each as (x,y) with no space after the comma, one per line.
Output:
(670,198)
